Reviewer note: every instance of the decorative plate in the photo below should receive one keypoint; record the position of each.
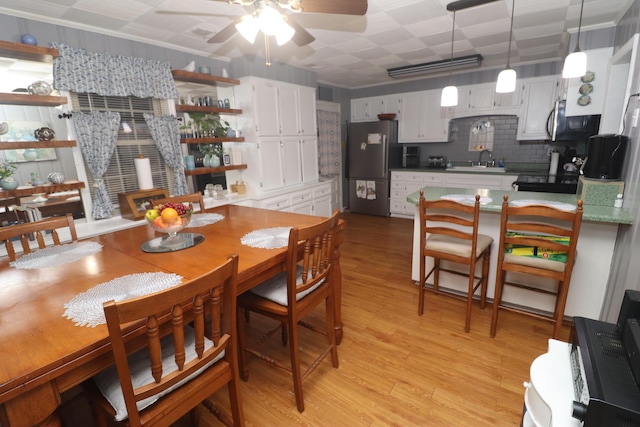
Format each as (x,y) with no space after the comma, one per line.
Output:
(584,100)
(586,89)
(40,88)
(44,134)
(588,77)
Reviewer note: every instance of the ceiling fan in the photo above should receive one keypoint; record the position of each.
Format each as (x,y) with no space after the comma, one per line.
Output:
(267,19)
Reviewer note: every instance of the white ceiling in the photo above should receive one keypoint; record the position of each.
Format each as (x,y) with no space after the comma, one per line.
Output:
(349,51)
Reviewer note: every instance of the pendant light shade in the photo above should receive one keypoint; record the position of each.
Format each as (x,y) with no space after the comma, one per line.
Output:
(575,65)
(449,96)
(507,78)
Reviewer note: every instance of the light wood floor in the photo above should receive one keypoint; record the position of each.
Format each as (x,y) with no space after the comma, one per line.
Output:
(398,368)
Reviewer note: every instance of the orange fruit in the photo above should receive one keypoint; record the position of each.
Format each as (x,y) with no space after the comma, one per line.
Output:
(169,215)
(159,222)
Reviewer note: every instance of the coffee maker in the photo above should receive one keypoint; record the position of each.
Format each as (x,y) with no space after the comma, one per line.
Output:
(605,157)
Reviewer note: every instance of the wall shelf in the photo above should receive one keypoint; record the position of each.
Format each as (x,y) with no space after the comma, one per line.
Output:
(199,109)
(209,140)
(27,52)
(16,145)
(33,100)
(202,171)
(44,188)
(205,79)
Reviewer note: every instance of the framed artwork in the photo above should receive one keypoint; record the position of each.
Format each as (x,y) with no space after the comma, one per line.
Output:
(24,131)
(134,204)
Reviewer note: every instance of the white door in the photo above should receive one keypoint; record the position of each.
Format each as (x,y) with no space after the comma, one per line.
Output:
(309,156)
(410,117)
(307,111)
(290,154)
(288,106)
(271,166)
(266,105)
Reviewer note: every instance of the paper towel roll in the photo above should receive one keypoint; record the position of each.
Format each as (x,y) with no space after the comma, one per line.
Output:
(143,172)
(553,166)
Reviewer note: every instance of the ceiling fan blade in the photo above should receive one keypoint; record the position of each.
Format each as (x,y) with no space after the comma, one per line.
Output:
(176,12)
(301,37)
(226,33)
(342,7)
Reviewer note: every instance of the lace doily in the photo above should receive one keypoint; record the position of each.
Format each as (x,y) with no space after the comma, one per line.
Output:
(558,205)
(202,219)
(56,255)
(467,198)
(85,309)
(267,238)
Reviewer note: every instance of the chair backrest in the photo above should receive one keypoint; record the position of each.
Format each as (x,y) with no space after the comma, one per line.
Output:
(449,218)
(191,198)
(541,226)
(207,302)
(27,230)
(310,257)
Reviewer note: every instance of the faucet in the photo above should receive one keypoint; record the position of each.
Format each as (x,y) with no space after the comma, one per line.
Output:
(480,158)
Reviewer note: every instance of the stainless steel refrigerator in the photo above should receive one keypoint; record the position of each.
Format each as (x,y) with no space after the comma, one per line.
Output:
(371,151)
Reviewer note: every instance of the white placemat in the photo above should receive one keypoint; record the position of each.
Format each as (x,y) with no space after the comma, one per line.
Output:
(202,219)
(85,309)
(558,205)
(467,198)
(267,238)
(56,255)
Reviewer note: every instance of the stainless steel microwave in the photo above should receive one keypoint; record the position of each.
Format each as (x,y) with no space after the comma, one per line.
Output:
(561,128)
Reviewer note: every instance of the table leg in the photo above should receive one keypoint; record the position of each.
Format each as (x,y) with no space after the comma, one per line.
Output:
(337,281)
(35,407)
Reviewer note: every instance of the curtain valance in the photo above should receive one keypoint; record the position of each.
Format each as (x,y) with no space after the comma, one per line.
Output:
(77,70)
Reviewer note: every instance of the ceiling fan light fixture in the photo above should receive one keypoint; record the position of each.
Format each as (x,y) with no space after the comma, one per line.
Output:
(507,78)
(249,28)
(575,65)
(270,21)
(284,34)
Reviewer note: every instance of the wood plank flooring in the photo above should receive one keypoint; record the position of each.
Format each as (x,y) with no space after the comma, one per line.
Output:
(397,368)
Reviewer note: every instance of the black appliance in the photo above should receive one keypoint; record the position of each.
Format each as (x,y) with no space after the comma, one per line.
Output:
(605,158)
(565,184)
(436,162)
(372,150)
(410,157)
(561,128)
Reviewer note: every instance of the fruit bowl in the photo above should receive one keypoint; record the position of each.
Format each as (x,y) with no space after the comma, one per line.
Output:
(170,217)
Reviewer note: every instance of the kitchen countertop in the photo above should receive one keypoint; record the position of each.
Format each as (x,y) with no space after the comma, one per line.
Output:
(591,212)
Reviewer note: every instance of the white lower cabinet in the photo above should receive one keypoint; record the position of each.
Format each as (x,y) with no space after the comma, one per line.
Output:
(311,200)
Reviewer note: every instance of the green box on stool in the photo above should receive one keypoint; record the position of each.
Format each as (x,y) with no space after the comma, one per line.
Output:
(598,192)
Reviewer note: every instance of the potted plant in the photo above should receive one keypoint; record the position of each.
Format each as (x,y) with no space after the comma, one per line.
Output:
(212,153)
(7,169)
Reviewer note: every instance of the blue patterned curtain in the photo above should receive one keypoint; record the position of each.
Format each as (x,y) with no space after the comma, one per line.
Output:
(329,154)
(166,134)
(77,70)
(97,134)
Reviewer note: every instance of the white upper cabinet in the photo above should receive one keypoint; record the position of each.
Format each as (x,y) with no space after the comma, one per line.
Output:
(284,109)
(367,109)
(287,105)
(538,99)
(307,118)
(266,117)
(420,118)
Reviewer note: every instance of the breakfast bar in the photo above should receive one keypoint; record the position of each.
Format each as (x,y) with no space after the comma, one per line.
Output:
(596,243)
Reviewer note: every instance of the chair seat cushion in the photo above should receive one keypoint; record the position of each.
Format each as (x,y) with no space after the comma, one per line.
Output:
(275,289)
(109,383)
(543,263)
(456,246)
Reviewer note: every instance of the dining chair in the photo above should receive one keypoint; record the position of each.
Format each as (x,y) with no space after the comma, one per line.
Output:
(541,241)
(186,198)
(449,232)
(290,296)
(184,339)
(26,231)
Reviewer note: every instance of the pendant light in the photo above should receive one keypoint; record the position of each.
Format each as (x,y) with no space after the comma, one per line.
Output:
(449,96)
(507,78)
(575,65)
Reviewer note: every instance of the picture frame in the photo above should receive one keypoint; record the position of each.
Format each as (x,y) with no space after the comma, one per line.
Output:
(134,204)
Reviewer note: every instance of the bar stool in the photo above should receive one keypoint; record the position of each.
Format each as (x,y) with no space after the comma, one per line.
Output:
(524,232)
(449,232)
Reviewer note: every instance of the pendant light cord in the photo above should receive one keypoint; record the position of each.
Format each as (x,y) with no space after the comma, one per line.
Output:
(513,7)
(579,28)
(453,32)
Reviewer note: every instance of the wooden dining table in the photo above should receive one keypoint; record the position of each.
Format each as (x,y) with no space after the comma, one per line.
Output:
(43,354)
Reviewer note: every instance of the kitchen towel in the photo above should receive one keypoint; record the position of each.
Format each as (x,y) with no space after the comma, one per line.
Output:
(553,166)
(143,172)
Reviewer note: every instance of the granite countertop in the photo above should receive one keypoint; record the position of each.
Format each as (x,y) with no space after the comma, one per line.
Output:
(509,169)
(492,202)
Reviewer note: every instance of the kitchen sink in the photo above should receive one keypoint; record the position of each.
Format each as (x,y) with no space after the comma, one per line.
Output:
(476,169)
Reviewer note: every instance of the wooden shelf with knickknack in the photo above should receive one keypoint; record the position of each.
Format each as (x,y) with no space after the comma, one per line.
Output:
(203,79)
(16,145)
(209,140)
(201,109)
(27,52)
(202,171)
(32,100)
(44,188)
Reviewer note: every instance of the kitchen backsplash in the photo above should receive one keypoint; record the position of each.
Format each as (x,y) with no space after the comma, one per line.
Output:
(505,144)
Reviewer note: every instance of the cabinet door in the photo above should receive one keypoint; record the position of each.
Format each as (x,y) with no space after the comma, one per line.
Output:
(391,104)
(507,101)
(288,110)
(307,112)
(271,165)
(266,107)
(309,158)
(410,118)
(434,119)
(538,98)
(322,206)
(481,97)
(290,155)
(359,110)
